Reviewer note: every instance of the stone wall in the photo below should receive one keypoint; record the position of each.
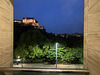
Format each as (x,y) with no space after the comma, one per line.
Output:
(92,36)
(6,33)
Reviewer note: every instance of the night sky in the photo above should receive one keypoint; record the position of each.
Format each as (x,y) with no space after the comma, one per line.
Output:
(57,16)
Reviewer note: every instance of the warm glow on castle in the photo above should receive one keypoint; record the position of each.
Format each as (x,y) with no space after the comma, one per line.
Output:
(29,21)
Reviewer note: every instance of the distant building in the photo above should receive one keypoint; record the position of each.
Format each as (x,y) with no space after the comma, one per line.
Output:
(18,21)
(55,34)
(62,35)
(76,34)
(30,21)
(67,35)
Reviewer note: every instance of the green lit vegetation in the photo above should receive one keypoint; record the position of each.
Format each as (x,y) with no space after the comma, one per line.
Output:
(35,45)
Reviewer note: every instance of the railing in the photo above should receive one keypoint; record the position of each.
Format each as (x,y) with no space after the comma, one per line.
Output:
(82,71)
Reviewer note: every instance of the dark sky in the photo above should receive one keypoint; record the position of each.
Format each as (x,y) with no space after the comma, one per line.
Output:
(57,16)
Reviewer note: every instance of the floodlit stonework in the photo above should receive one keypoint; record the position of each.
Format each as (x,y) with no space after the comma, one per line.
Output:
(92,36)
(6,33)
(31,21)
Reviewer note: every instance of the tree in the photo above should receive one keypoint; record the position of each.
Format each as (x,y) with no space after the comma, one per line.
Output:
(21,51)
(73,55)
(51,54)
(35,52)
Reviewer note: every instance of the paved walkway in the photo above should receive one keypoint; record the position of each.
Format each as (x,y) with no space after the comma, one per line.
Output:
(40,65)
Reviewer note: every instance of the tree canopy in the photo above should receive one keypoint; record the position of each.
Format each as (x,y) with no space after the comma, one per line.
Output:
(32,44)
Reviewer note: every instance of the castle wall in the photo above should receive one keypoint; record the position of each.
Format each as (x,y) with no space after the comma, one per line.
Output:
(92,36)
(27,21)
(32,21)
(6,33)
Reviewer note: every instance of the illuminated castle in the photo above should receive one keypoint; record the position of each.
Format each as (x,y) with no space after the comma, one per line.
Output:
(30,21)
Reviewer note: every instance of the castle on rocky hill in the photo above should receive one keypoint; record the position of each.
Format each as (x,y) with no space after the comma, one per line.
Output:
(30,21)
